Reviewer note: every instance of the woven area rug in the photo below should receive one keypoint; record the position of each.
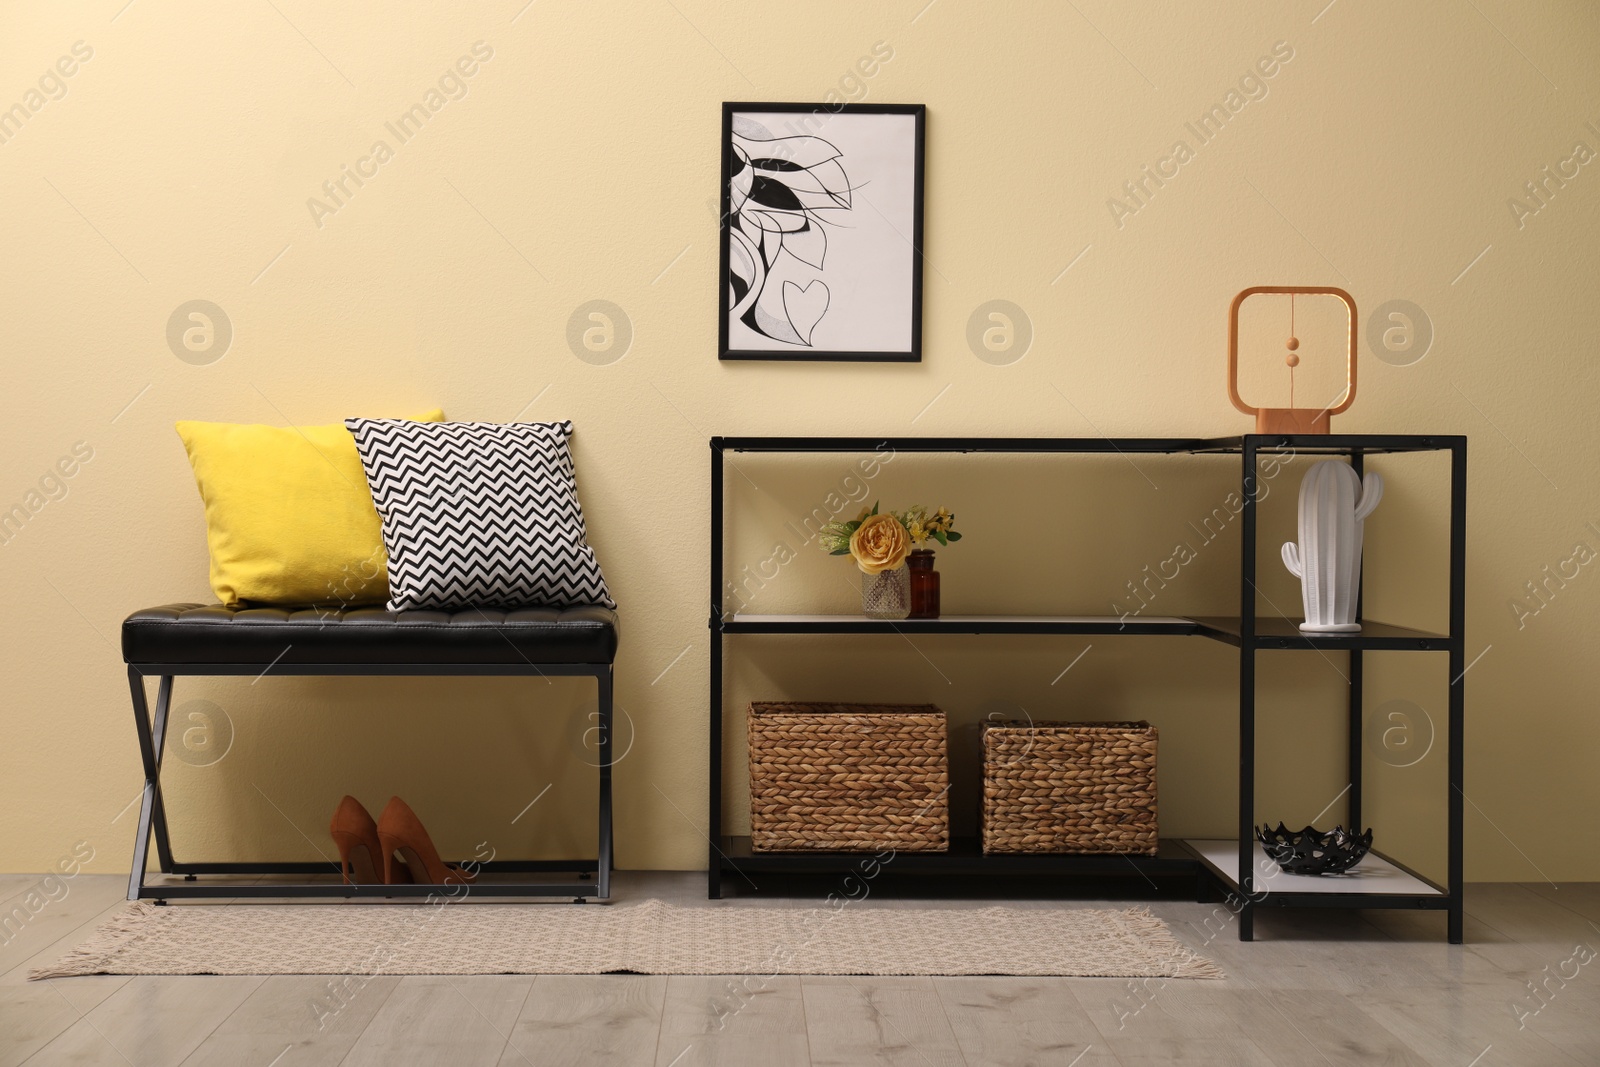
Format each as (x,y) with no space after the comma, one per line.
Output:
(643,937)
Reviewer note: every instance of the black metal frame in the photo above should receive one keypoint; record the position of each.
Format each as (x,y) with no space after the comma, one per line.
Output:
(152,730)
(1248,632)
(1447,897)
(725,220)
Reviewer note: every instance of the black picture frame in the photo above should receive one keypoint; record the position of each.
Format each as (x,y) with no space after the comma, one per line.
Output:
(803,351)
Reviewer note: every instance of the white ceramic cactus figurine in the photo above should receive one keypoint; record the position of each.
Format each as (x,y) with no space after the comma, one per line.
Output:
(1334,504)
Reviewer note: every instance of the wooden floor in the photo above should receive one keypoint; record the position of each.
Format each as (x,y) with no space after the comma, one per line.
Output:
(1319,988)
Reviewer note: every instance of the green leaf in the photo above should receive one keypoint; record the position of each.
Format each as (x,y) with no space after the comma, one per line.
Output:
(939,537)
(953,536)
(840,552)
(874,509)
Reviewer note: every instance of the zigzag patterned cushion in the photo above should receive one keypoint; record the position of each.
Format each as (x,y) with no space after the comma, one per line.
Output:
(479,514)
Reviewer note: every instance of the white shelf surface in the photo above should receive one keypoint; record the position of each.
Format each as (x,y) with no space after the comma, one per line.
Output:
(1373,874)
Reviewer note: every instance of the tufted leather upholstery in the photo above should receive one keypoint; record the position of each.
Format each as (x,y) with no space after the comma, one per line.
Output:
(210,633)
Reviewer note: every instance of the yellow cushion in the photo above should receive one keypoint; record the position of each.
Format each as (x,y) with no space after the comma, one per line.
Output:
(289,517)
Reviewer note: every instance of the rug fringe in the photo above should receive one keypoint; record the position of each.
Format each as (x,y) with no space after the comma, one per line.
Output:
(96,954)
(1186,962)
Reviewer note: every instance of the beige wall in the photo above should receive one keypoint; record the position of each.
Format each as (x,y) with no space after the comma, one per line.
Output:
(176,164)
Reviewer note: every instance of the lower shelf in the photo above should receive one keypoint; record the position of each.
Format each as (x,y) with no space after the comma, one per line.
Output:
(1375,882)
(965,856)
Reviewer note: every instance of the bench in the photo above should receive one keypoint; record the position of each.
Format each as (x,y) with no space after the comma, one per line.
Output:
(210,640)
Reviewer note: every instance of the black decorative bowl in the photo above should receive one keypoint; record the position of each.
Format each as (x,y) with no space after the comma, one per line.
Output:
(1313,851)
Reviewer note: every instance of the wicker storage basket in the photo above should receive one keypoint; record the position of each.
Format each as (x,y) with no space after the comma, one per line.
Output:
(848,777)
(1069,787)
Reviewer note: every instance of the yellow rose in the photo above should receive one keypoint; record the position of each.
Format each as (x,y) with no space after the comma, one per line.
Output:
(880,543)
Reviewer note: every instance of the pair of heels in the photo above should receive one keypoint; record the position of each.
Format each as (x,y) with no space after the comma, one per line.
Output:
(395,850)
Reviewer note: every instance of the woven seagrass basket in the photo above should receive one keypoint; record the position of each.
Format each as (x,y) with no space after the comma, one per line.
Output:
(848,777)
(1069,787)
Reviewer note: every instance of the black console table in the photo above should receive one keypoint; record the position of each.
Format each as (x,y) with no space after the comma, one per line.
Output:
(1235,864)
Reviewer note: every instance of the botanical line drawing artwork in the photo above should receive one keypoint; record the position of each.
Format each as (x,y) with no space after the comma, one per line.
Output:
(820,232)
(779,189)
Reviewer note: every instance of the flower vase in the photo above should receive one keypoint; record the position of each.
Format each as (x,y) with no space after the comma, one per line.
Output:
(924,584)
(887,594)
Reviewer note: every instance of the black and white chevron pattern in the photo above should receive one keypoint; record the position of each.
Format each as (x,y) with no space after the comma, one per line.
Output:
(479,514)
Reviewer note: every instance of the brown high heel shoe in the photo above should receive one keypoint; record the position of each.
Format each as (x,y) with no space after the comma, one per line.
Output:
(400,831)
(360,852)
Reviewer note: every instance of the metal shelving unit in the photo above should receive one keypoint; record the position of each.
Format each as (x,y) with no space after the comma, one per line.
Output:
(1235,865)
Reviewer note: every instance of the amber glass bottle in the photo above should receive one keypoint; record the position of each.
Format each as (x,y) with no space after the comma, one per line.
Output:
(924,585)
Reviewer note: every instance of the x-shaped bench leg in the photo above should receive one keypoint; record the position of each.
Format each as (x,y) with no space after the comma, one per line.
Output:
(152,813)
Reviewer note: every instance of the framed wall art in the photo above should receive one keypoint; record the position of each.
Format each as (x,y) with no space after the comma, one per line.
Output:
(821,232)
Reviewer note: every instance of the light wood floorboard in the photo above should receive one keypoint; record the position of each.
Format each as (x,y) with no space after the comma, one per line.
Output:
(36,1013)
(1021,1022)
(747,1019)
(1317,1027)
(146,1021)
(1457,1025)
(571,1020)
(897,1022)
(1206,1052)
(461,1020)
(309,1019)
(1581,897)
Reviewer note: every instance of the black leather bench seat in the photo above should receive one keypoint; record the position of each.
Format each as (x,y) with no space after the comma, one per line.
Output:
(211,633)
